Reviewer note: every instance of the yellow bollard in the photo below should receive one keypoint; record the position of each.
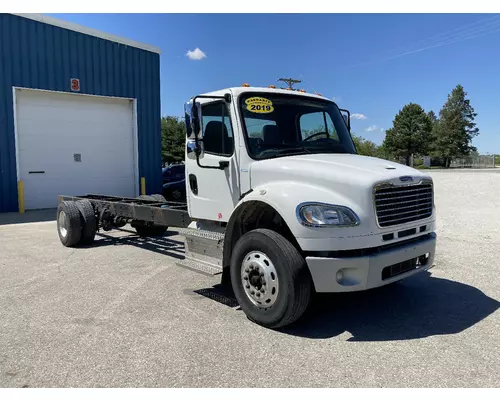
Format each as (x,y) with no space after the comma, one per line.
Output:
(143,185)
(20,196)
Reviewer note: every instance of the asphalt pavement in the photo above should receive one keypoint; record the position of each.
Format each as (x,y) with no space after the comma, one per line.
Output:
(121,313)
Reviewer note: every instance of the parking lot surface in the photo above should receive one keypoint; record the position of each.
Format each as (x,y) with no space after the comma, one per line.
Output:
(122,314)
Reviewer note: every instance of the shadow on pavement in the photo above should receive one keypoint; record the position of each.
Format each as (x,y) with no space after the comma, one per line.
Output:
(30,216)
(161,244)
(418,307)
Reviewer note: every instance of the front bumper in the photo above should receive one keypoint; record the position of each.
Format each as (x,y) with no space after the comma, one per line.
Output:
(367,272)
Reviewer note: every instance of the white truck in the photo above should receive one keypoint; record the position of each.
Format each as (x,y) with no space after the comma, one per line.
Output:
(279,204)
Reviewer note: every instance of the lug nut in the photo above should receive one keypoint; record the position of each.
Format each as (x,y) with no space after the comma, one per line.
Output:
(252,292)
(245,277)
(262,290)
(262,274)
(247,270)
(247,286)
(251,266)
(258,294)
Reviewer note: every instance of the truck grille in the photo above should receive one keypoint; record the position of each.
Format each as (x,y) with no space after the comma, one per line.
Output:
(402,204)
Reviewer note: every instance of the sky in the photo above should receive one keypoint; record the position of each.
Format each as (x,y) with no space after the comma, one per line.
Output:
(371,64)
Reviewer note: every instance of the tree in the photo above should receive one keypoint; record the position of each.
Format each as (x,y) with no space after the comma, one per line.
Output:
(410,133)
(173,138)
(365,147)
(434,120)
(456,127)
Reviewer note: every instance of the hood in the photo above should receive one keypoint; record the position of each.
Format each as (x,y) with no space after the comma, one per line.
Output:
(349,169)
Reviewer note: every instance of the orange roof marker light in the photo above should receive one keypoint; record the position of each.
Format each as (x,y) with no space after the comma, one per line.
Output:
(245,85)
(302,91)
(272,86)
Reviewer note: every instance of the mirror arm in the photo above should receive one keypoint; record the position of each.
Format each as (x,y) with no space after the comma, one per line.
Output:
(348,118)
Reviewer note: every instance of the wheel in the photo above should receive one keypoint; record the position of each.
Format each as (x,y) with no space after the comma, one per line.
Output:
(89,221)
(69,226)
(145,230)
(159,197)
(153,197)
(177,194)
(270,279)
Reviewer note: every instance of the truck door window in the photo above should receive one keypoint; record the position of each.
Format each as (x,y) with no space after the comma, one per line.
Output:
(316,123)
(217,130)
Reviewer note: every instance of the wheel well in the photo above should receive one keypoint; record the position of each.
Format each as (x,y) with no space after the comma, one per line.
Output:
(249,216)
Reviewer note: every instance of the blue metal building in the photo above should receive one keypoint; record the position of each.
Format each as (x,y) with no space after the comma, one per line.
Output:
(79,113)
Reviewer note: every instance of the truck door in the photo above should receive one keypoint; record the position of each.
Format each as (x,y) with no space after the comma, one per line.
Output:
(212,194)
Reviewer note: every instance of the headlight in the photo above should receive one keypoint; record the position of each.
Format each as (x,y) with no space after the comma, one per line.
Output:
(323,215)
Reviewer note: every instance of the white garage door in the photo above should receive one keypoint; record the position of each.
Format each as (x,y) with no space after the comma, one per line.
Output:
(73,145)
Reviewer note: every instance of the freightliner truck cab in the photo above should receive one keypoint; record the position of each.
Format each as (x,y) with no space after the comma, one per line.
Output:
(283,205)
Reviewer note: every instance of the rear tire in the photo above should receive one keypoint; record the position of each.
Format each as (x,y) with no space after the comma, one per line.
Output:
(293,292)
(89,222)
(153,197)
(159,197)
(145,230)
(69,225)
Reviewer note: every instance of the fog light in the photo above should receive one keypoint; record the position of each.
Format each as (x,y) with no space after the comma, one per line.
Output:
(422,260)
(340,275)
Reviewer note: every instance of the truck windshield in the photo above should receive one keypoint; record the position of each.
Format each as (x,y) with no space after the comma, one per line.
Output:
(278,125)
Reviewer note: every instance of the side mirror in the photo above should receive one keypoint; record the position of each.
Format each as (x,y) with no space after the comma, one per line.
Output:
(193,118)
(194,149)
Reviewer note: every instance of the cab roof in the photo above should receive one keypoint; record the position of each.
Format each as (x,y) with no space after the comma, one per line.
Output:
(236,91)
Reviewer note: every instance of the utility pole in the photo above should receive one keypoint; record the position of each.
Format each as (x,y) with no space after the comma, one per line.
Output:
(290,82)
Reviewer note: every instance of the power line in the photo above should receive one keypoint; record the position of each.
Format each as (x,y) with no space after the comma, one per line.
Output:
(465,32)
(452,34)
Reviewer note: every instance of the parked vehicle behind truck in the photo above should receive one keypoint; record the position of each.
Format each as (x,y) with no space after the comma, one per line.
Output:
(279,203)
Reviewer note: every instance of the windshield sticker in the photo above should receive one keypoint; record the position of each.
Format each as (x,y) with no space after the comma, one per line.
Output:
(259,105)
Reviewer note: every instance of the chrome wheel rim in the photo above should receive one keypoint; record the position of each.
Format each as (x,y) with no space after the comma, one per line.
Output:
(259,279)
(61,221)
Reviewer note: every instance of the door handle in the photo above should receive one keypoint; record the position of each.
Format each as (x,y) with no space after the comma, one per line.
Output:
(36,172)
(193,184)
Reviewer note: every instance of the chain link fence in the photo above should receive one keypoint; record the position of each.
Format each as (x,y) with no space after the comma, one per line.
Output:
(480,161)
(487,161)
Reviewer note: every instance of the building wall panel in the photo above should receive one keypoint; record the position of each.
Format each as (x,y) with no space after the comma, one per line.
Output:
(42,56)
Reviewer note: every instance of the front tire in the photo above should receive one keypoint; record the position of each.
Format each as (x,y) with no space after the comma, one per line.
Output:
(267,264)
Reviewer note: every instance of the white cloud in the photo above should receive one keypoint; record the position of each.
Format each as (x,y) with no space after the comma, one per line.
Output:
(382,129)
(196,54)
(371,128)
(358,116)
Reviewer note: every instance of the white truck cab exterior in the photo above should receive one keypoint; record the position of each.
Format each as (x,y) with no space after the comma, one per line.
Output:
(270,160)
